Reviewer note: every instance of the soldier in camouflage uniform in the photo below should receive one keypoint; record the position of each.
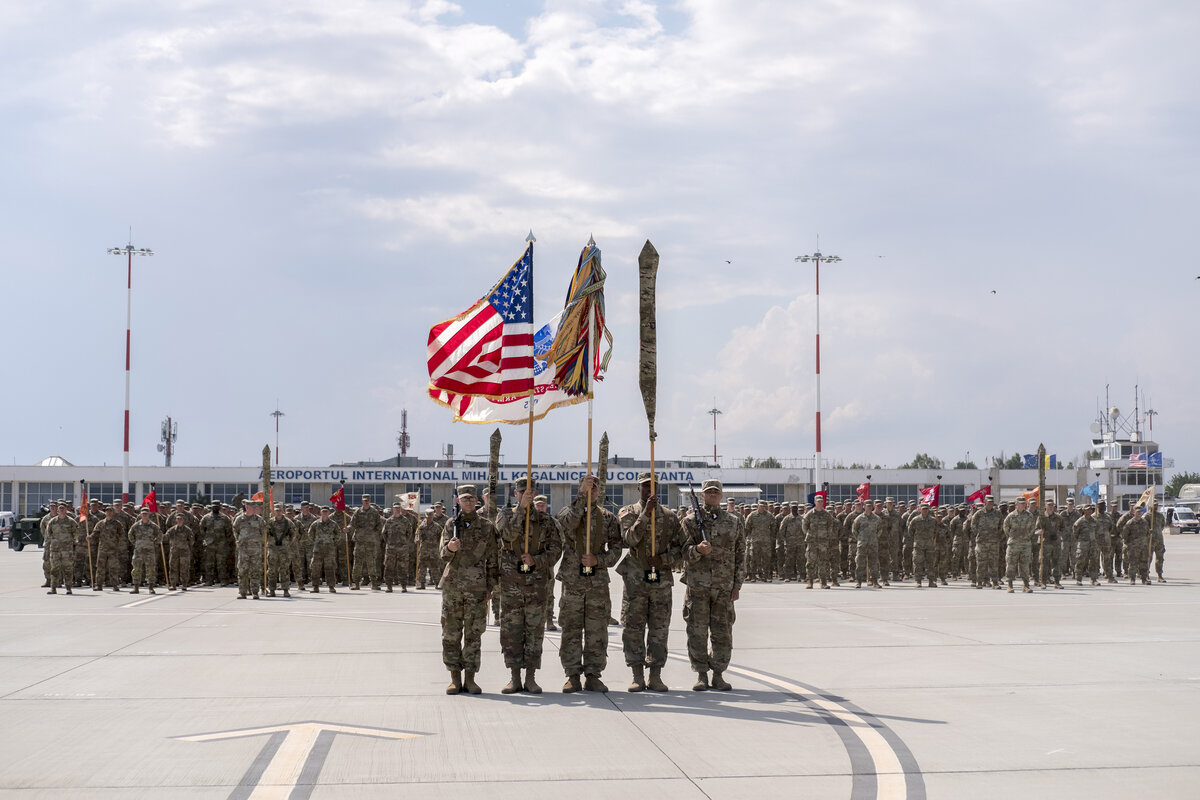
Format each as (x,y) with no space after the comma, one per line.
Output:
(959,535)
(541,503)
(646,604)
(146,538)
(523,593)
(281,532)
(59,543)
(1085,532)
(923,531)
(585,606)
(1134,528)
(324,535)
(399,532)
(84,545)
(988,528)
(945,545)
(791,535)
(178,542)
(468,550)
(821,531)
(428,539)
(1070,515)
(366,532)
(866,528)
(1051,537)
(760,541)
(889,541)
(249,530)
(1158,546)
(1019,529)
(302,544)
(716,559)
(107,533)
(1105,530)
(216,532)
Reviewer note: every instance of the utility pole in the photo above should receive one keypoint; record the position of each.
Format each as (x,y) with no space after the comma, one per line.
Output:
(816,259)
(129,251)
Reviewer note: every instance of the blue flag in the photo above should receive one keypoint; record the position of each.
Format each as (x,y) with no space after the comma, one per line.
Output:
(1030,462)
(1092,490)
(1156,460)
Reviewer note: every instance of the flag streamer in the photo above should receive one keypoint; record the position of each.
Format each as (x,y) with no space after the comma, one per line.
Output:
(573,353)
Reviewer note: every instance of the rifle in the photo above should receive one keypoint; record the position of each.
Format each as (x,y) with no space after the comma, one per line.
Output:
(699,514)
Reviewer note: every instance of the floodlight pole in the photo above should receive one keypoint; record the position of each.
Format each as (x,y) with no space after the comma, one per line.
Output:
(129,251)
(816,259)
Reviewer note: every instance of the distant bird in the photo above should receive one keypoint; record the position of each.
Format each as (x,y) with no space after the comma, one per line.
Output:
(993,291)
(728,261)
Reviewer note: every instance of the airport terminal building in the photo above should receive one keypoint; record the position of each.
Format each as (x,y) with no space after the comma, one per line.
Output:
(25,488)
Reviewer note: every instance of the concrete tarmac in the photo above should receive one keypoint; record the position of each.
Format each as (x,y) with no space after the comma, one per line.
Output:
(898,693)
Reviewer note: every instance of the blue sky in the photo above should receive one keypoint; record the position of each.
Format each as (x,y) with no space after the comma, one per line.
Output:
(323,183)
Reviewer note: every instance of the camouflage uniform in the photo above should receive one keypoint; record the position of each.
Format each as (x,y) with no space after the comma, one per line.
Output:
(523,594)
(959,544)
(1051,528)
(249,532)
(1158,546)
(429,534)
(468,575)
(325,536)
(1105,526)
(366,531)
(146,538)
(281,532)
(923,531)
(646,606)
(1135,535)
(585,607)
(60,548)
(107,533)
(398,541)
(821,531)
(216,533)
(712,580)
(44,529)
(866,530)
(1085,532)
(791,534)
(1019,529)
(760,538)
(178,542)
(302,546)
(988,527)
(84,549)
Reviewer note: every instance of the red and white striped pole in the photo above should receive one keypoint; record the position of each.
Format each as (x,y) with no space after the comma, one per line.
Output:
(130,252)
(816,258)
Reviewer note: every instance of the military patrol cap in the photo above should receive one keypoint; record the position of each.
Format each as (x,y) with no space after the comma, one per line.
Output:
(326,508)
(466,490)
(397,504)
(793,504)
(541,498)
(644,477)
(1089,507)
(923,505)
(889,499)
(712,483)
(522,483)
(95,501)
(366,495)
(429,511)
(181,502)
(989,497)
(439,504)
(279,506)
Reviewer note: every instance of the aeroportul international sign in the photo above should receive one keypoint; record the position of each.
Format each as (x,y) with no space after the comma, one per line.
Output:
(473,475)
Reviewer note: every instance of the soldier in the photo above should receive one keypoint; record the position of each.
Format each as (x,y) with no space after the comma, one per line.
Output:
(1019,529)
(146,538)
(195,514)
(216,532)
(1085,530)
(429,535)
(249,530)
(542,503)
(61,532)
(1135,535)
(128,516)
(585,607)
(760,541)
(1158,546)
(398,533)
(791,535)
(44,528)
(108,566)
(302,544)
(889,540)
(468,549)
(923,531)
(959,544)
(366,532)
(281,531)
(178,540)
(85,550)
(716,558)
(1105,536)
(821,544)
(1050,526)
(988,528)
(1069,517)
(866,529)
(324,535)
(906,554)
(646,596)
(524,564)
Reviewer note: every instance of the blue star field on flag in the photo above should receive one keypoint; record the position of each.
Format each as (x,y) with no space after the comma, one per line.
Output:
(512,297)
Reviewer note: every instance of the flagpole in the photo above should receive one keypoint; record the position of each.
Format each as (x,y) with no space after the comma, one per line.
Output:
(591,352)
(530,239)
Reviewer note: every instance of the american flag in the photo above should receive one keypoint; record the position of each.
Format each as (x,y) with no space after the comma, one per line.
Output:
(487,350)
(1137,460)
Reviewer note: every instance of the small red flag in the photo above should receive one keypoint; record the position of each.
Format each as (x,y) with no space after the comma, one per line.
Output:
(978,496)
(339,499)
(151,502)
(930,495)
(864,492)
(83,504)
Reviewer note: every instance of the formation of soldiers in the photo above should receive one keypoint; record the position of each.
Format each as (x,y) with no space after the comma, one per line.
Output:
(510,558)
(882,541)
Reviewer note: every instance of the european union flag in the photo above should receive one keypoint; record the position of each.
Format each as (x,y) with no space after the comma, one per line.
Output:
(1030,461)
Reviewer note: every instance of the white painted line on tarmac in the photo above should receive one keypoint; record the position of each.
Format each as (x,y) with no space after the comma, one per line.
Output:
(143,602)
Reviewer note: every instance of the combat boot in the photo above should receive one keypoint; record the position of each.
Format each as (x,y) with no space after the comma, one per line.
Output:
(389,588)
(286,593)
(638,684)
(810,584)
(655,684)
(944,582)
(455,682)
(375,587)
(241,597)
(53,590)
(594,684)
(572,685)
(701,684)
(354,586)
(1079,581)
(135,590)
(332,590)
(68,590)
(835,582)
(857,585)
(531,685)
(824,585)
(1133,581)
(876,584)
(1161,579)
(550,626)
(1057,585)
(151,590)
(469,682)
(271,592)
(978,585)
(1028,589)
(255,595)
(404,590)
(1145,582)
(719,683)
(46,585)
(315,590)
(1095,582)
(1010,587)
(885,582)
(514,684)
